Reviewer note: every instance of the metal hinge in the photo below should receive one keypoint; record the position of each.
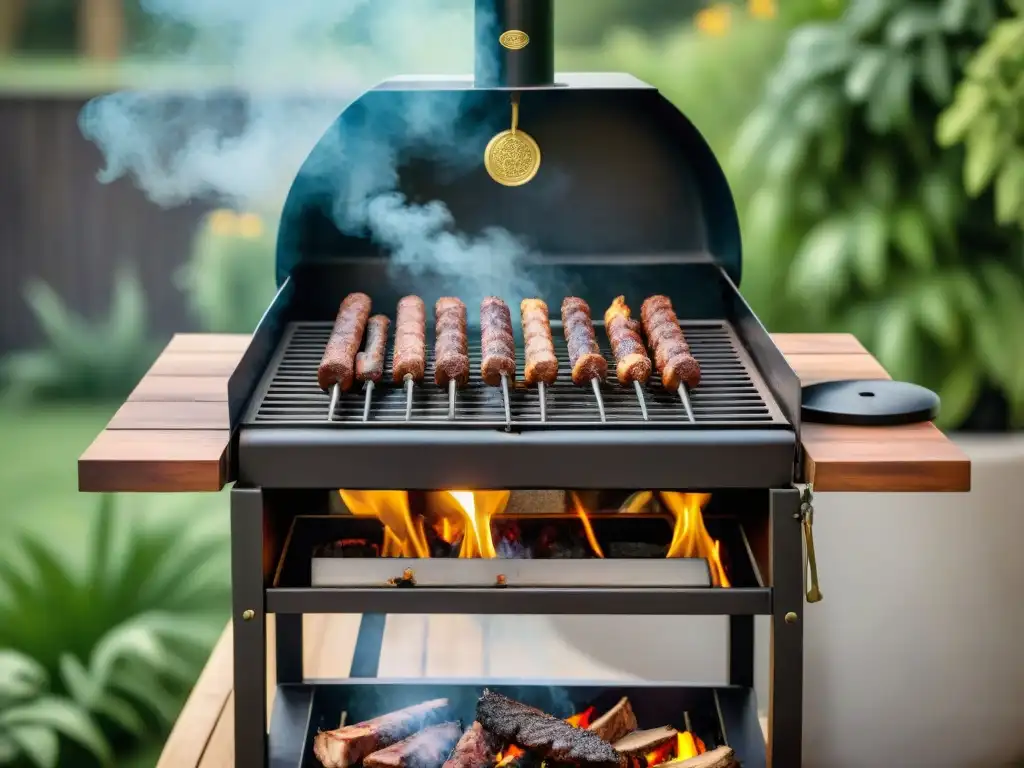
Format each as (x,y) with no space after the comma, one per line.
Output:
(806,516)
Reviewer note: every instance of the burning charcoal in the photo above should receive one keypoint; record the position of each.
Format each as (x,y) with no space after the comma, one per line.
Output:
(512,549)
(539,732)
(426,749)
(476,749)
(616,722)
(636,550)
(349,744)
(721,757)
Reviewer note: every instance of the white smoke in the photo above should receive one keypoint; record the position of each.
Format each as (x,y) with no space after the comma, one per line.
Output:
(289,66)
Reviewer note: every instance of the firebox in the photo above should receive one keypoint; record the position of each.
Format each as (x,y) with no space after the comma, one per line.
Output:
(413,434)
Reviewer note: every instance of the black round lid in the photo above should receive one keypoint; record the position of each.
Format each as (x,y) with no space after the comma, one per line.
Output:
(868,403)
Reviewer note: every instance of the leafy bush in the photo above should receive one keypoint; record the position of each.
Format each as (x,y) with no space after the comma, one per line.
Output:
(83,360)
(120,641)
(988,117)
(860,222)
(229,280)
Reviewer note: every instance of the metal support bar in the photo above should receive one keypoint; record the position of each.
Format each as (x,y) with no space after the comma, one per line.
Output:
(249,622)
(741,651)
(785,700)
(288,651)
(369,642)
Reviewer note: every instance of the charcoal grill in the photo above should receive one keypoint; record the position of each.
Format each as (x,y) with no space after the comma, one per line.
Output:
(629,200)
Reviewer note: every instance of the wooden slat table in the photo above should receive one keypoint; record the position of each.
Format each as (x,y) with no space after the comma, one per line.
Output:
(172,434)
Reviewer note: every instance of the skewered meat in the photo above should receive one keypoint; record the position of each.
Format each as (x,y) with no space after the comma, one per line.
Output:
(671,352)
(584,353)
(426,749)
(476,749)
(339,360)
(410,340)
(498,346)
(616,722)
(541,362)
(632,362)
(451,346)
(531,729)
(370,363)
(349,744)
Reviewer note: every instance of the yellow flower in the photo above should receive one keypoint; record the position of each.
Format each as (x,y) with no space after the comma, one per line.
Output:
(763,9)
(714,20)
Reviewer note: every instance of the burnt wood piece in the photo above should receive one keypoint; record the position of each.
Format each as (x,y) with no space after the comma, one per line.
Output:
(642,742)
(350,744)
(720,757)
(425,749)
(476,749)
(533,730)
(616,722)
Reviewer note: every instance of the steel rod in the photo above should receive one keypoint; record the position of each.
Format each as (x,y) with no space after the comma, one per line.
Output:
(408,397)
(335,394)
(505,400)
(368,399)
(451,399)
(684,395)
(542,389)
(600,400)
(640,399)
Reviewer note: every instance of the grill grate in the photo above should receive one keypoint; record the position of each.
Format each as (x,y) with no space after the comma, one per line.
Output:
(731,393)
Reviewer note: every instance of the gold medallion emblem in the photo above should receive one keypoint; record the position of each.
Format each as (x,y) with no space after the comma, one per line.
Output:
(512,157)
(514,40)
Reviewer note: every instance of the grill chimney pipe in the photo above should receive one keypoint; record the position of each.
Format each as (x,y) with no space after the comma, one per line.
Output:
(515,43)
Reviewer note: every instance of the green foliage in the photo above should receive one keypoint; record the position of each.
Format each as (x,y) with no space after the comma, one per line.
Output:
(83,360)
(106,653)
(860,222)
(987,117)
(229,279)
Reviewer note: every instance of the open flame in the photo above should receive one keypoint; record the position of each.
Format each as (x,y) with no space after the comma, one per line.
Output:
(690,537)
(685,746)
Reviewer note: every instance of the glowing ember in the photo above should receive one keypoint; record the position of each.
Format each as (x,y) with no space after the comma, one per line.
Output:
(583,719)
(690,538)
(685,746)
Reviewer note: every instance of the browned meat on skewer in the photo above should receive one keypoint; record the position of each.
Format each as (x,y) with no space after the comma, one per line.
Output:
(426,749)
(349,744)
(339,360)
(632,362)
(497,342)
(410,340)
(476,749)
(672,354)
(370,362)
(584,353)
(536,731)
(541,362)
(451,344)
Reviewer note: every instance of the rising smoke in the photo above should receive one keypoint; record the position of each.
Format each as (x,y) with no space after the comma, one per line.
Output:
(244,151)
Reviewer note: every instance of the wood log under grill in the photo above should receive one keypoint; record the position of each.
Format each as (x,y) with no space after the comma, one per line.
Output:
(350,744)
(476,749)
(720,757)
(425,749)
(642,742)
(616,722)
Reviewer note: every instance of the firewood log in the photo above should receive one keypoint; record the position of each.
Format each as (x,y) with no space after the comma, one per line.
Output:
(721,757)
(616,722)
(642,742)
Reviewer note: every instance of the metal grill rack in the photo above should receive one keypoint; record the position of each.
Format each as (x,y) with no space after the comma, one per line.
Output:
(731,392)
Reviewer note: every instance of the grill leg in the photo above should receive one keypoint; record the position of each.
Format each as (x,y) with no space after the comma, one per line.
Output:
(288,641)
(785,706)
(369,642)
(249,621)
(741,651)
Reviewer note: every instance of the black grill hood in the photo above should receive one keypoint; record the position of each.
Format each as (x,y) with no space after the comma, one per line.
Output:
(624,172)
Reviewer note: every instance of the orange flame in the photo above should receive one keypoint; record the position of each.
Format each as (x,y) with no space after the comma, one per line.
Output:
(511,752)
(690,538)
(392,509)
(587,528)
(685,746)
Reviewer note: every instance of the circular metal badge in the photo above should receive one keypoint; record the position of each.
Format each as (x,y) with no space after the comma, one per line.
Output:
(514,40)
(512,158)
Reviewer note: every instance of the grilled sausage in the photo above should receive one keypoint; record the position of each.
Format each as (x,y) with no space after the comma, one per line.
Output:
(339,360)
(632,362)
(370,363)
(584,353)
(672,354)
(497,344)
(451,346)
(410,340)
(541,362)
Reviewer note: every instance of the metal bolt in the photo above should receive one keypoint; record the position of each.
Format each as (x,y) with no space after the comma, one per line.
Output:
(248,615)
(407,574)
(502,580)
(791,618)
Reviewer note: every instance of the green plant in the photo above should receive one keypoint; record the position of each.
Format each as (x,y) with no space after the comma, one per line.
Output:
(83,360)
(987,116)
(860,222)
(123,638)
(229,279)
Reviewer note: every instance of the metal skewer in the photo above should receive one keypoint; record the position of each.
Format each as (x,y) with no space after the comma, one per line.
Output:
(366,401)
(685,397)
(451,399)
(335,394)
(543,390)
(600,400)
(408,396)
(505,400)
(640,398)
